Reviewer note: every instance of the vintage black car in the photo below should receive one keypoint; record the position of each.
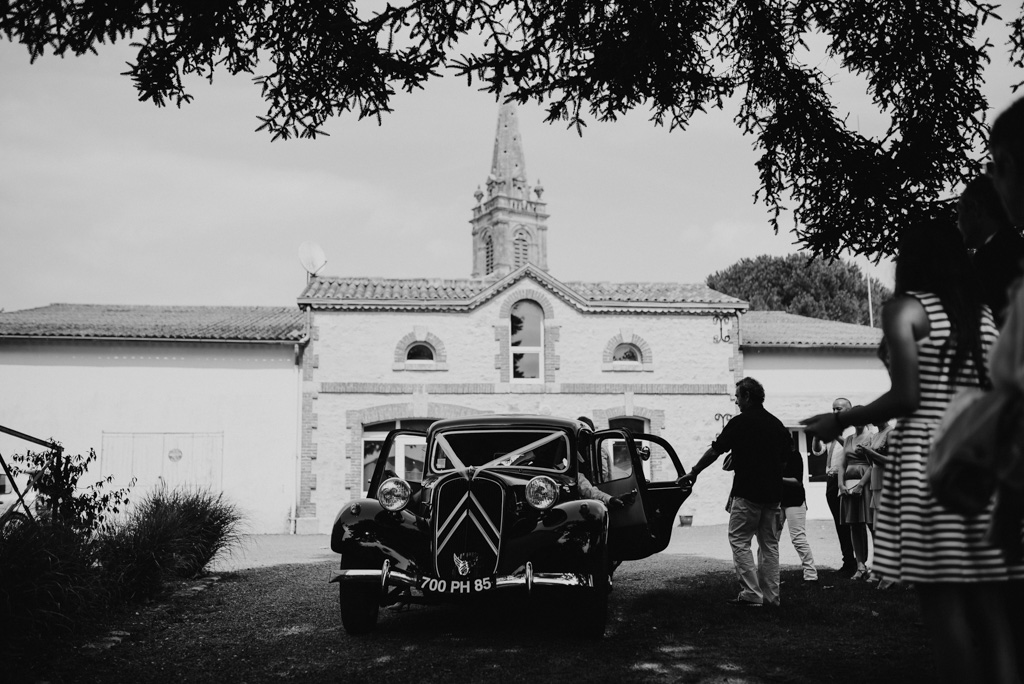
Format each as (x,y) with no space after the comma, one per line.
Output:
(492,504)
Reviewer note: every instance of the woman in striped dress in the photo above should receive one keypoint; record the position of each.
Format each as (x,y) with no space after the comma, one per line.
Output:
(937,333)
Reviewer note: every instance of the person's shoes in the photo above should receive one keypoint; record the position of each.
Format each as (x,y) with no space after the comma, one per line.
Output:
(872,577)
(860,574)
(810,580)
(847,569)
(885,584)
(743,603)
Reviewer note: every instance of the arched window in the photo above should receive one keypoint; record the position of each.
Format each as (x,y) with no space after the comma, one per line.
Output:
(488,255)
(526,336)
(628,353)
(521,249)
(419,352)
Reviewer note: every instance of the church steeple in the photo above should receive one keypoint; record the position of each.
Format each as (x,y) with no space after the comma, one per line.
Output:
(508,225)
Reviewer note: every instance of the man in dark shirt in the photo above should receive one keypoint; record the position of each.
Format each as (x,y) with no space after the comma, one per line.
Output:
(759,444)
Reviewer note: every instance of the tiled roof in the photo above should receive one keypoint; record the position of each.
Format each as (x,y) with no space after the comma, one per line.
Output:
(781,329)
(652,292)
(220,323)
(391,289)
(329,291)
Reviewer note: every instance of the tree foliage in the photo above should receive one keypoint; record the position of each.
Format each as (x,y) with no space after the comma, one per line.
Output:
(315,59)
(83,509)
(835,290)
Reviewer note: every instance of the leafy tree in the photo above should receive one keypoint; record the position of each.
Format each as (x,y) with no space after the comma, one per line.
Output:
(315,59)
(83,509)
(835,290)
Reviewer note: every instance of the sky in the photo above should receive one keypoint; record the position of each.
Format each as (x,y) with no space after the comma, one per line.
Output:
(108,200)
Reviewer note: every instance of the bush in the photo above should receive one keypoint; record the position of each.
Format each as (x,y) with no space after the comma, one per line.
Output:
(84,555)
(169,533)
(82,509)
(49,584)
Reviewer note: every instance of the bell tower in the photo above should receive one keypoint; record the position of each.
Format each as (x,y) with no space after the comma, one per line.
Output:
(509,228)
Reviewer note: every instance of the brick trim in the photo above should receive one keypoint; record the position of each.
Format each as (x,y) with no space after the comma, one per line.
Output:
(661,466)
(356,419)
(502,360)
(420,336)
(626,336)
(505,388)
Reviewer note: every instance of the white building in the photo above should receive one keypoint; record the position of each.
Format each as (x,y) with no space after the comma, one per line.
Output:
(206,396)
(282,409)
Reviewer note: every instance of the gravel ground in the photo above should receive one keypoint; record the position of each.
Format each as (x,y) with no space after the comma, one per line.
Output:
(260,621)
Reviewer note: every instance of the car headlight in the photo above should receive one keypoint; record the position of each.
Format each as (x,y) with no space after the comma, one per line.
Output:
(541,492)
(394,493)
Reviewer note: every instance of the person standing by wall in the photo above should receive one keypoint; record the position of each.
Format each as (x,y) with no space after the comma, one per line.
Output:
(854,505)
(832,449)
(794,513)
(876,451)
(759,444)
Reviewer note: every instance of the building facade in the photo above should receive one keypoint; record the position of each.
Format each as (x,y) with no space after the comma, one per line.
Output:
(197,396)
(286,410)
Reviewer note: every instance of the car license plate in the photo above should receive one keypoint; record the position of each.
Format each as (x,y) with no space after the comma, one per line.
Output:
(457,586)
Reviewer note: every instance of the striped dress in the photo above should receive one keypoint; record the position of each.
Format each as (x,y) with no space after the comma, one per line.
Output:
(916,538)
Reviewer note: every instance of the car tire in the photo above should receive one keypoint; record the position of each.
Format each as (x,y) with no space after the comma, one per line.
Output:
(359,602)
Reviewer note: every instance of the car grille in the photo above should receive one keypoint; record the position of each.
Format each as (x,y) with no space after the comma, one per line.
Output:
(467,527)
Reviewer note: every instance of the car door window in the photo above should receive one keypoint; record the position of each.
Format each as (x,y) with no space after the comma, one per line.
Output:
(405,458)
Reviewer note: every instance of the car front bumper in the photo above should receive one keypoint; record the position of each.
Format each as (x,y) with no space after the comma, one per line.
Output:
(391,578)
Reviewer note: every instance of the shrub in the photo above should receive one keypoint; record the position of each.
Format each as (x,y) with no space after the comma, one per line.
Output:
(49,579)
(49,584)
(85,553)
(82,509)
(169,533)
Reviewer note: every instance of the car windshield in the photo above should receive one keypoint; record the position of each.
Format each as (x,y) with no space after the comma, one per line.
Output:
(505,447)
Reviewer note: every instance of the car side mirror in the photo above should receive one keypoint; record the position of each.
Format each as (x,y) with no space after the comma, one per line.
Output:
(644,452)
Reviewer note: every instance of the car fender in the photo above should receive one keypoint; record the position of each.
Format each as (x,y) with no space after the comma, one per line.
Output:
(364,528)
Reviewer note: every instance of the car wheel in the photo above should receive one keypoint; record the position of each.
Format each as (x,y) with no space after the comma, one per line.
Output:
(594,609)
(359,602)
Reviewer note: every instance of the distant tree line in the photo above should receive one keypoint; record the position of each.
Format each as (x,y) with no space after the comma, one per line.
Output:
(803,285)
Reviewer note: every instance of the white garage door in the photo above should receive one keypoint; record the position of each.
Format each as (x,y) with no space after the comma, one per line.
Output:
(176,459)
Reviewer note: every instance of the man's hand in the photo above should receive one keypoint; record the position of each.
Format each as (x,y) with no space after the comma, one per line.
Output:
(687,480)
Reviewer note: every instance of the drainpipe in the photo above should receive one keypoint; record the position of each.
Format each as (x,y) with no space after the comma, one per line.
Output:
(299,350)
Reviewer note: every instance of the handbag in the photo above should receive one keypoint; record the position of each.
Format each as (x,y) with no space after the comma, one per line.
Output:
(977,442)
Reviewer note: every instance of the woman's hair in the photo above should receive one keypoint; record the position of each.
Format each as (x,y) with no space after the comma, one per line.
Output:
(932,258)
(980,196)
(1007,133)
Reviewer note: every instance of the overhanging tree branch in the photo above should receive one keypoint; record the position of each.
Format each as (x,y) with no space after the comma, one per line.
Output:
(316,59)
